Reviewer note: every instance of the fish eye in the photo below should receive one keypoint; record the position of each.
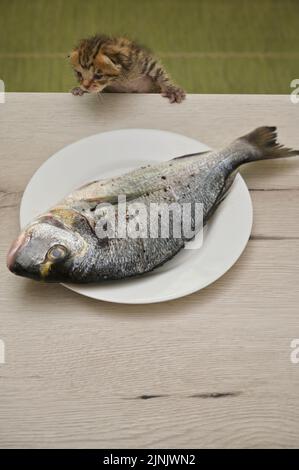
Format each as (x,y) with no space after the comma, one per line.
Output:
(57,253)
(98,75)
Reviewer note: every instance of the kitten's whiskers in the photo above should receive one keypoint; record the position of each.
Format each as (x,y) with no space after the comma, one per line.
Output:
(100,96)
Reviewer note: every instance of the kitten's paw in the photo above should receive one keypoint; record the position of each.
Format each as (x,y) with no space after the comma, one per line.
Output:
(77,91)
(175,95)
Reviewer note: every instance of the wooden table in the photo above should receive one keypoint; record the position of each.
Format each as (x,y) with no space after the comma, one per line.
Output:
(209,370)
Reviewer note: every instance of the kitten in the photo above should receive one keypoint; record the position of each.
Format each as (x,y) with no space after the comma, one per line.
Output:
(121,66)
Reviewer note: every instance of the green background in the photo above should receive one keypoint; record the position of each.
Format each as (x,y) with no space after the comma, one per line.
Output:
(208,46)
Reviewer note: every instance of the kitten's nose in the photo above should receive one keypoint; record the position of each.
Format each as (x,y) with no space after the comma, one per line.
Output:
(86,83)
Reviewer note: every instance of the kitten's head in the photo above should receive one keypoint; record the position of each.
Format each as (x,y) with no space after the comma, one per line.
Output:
(93,67)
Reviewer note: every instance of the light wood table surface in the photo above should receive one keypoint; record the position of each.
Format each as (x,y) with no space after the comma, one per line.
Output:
(209,370)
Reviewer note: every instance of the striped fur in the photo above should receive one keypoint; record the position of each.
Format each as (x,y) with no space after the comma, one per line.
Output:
(103,63)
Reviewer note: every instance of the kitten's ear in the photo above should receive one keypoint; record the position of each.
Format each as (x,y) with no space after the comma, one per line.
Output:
(74,57)
(104,62)
(118,54)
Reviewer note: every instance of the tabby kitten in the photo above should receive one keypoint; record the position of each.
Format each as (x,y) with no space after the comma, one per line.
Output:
(121,66)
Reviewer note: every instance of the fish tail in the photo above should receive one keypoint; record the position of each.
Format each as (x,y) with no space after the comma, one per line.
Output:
(263,141)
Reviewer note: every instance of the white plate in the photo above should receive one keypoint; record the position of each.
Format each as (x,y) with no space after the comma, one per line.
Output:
(113,153)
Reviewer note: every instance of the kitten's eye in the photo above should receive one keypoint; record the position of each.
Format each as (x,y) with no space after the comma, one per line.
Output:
(57,253)
(79,74)
(98,76)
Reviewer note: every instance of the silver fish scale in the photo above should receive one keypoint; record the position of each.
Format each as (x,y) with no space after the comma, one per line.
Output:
(198,179)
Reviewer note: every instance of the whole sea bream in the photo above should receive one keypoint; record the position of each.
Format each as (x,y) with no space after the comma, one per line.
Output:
(63,245)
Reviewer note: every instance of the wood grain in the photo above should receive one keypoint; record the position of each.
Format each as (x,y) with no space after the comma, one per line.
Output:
(209,370)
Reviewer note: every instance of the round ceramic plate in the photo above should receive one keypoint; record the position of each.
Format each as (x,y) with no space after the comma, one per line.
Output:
(113,153)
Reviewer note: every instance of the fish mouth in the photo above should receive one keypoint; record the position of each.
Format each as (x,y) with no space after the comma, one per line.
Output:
(17,261)
(26,255)
(20,243)
(14,250)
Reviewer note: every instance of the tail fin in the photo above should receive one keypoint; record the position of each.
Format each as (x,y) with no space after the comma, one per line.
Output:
(263,139)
